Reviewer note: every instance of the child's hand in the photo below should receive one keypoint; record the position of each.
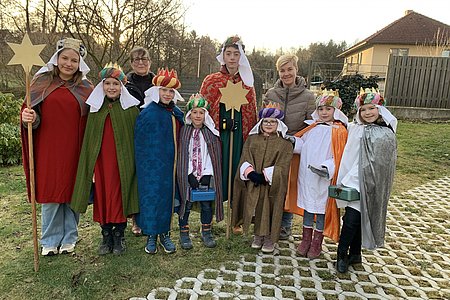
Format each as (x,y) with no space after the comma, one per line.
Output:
(256,178)
(205,180)
(193,182)
(28,115)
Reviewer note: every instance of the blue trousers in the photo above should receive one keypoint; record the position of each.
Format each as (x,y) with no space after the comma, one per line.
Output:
(205,213)
(308,220)
(59,224)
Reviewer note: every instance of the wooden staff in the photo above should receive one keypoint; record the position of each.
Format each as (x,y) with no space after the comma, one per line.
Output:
(230,169)
(32,180)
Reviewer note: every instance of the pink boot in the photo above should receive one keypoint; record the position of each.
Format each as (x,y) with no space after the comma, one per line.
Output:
(316,245)
(303,247)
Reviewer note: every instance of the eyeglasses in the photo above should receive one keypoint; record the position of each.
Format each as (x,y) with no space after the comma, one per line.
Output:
(136,60)
(269,122)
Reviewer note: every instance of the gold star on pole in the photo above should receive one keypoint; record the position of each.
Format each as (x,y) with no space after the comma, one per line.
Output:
(233,95)
(26,54)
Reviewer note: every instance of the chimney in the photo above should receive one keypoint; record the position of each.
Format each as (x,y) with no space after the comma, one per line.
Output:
(408,11)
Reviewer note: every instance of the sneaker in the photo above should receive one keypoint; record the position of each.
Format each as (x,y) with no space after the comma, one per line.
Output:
(285,233)
(166,243)
(66,248)
(268,245)
(151,248)
(49,251)
(257,242)
(185,239)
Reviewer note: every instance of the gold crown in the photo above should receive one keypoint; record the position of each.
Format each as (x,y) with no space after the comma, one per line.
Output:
(272,105)
(330,92)
(368,90)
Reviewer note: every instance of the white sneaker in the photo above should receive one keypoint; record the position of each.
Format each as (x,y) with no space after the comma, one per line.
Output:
(49,251)
(66,248)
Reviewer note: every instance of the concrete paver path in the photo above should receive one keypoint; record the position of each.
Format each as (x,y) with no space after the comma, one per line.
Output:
(415,264)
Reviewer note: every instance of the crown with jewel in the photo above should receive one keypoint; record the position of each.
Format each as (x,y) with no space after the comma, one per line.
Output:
(166,78)
(271,110)
(369,95)
(71,43)
(197,100)
(329,98)
(113,71)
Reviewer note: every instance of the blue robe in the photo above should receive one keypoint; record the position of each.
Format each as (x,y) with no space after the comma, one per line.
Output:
(155,141)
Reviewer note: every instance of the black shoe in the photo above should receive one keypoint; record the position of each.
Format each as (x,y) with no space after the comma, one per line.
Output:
(342,263)
(106,246)
(354,259)
(119,242)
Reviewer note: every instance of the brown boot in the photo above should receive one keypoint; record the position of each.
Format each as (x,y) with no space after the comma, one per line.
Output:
(316,245)
(303,247)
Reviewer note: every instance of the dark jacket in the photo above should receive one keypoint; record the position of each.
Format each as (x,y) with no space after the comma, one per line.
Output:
(138,84)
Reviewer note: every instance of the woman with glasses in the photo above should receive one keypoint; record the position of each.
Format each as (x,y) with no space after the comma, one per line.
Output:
(297,103)
(140,79)
(261,180)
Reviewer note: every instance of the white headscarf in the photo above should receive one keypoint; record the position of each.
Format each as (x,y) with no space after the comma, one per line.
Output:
(338,115)
(208,121)
(96,98)
(152,95)
(281,128)
(245,71)
(387,116)
(83,67)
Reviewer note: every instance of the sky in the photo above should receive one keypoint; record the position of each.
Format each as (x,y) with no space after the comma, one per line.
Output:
(271,24)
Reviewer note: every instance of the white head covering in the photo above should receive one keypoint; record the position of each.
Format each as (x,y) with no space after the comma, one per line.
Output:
(337,116)
(245,71)
(83,67)
(208,121)
(281,128)
(96,98)
(152,95)
(387,116)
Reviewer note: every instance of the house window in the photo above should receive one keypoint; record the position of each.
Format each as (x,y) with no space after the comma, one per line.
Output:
(399,51)
(446,53)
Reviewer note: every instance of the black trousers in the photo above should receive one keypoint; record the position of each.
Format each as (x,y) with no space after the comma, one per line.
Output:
(351,233)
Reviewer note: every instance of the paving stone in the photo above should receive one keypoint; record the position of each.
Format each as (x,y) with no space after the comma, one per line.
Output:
(415,263)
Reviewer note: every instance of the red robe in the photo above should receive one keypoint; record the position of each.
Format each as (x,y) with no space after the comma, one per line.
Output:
(57,144)
(210,90)
(108,194)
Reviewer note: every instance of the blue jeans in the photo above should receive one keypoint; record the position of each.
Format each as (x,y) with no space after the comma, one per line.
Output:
(286,220)
(205,213)
(59,224)
(308,220)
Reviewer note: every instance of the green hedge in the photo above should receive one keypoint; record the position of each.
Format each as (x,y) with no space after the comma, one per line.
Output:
(10,146)
(348,87)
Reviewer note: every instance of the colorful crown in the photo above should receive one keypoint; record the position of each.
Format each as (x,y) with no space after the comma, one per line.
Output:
(233,40)
(329,98)
(113,71)
(71,43)
(166,78)
(197,100)
(367,96)
(271,110)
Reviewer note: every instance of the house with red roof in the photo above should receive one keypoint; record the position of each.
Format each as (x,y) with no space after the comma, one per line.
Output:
(412,35)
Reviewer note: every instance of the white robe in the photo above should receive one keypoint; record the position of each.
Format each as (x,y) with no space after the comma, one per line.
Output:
(314,148)
(349,168)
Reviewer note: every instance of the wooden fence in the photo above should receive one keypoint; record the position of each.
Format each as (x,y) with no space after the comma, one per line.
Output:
(414,81)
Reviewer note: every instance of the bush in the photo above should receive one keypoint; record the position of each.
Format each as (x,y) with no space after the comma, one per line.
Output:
(348,87)
(10,145)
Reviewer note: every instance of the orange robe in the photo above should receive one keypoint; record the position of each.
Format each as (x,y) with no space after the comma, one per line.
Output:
(332,218)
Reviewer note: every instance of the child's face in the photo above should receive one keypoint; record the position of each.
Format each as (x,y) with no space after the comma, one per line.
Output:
(269,125)
(197,117)
(369,113)
(111,87)
(231,58)
(326,113)
(166,95)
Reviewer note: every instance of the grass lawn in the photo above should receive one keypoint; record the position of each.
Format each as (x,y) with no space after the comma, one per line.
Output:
(423,155)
